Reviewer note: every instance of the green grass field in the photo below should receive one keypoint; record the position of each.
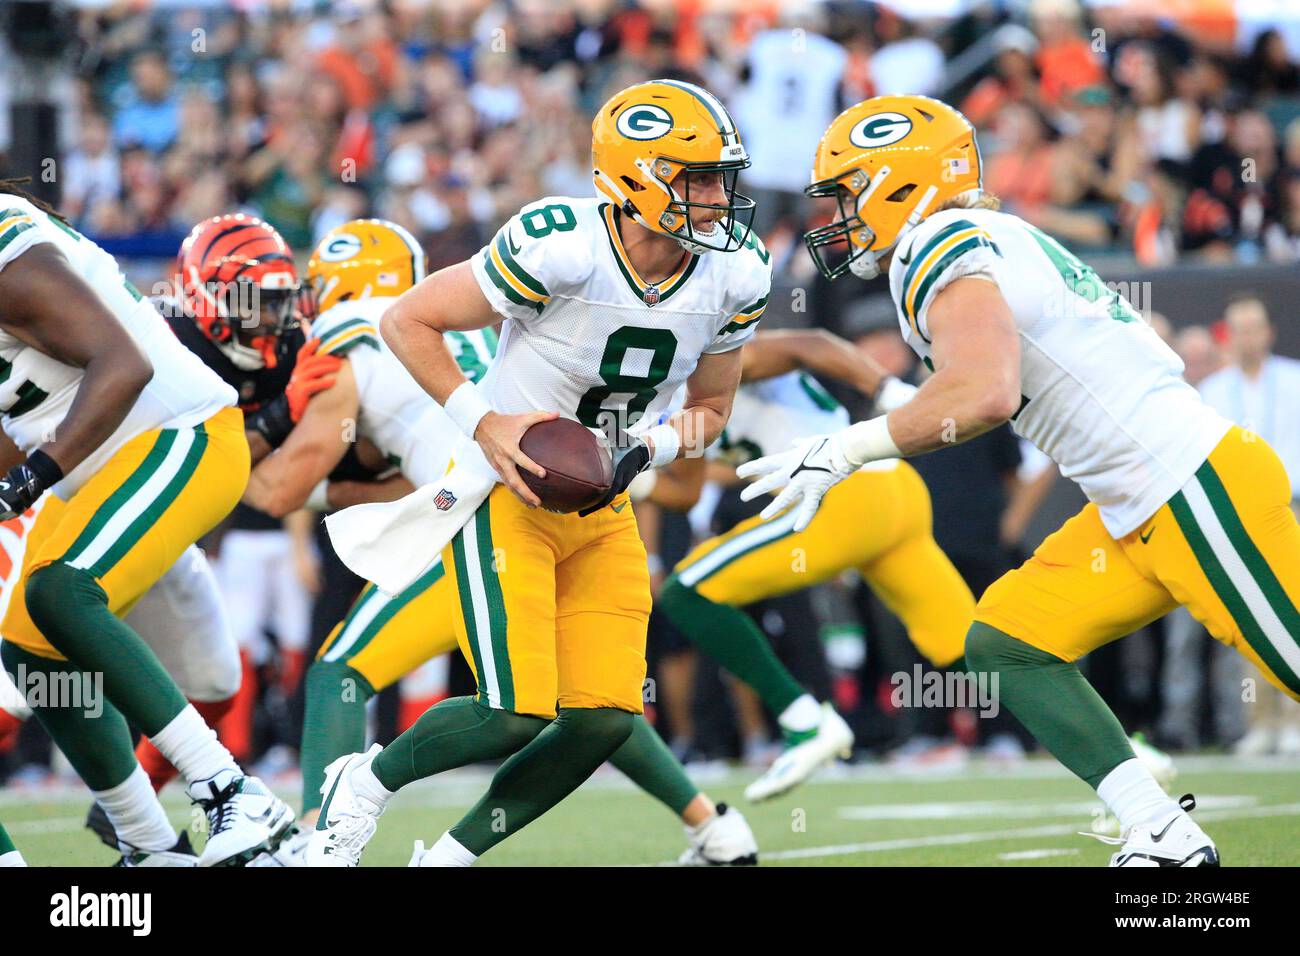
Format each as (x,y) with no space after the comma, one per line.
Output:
(854,816)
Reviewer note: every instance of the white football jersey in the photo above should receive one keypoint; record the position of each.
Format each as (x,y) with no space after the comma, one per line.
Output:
(1101,394)
(36,390)
(586,336)
(396,414)
(768,416)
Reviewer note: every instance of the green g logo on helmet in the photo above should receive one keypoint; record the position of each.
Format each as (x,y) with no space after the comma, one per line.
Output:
(880,129)
(644,121)
(340,248)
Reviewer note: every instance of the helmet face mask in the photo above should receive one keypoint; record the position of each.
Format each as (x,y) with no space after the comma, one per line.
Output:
(730,229)
(236,279)
(650,141)
(888,162)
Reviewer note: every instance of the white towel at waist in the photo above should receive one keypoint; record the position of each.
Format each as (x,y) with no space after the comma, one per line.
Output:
(393,542)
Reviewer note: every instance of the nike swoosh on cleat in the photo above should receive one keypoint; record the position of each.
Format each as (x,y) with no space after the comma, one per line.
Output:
(1157,837)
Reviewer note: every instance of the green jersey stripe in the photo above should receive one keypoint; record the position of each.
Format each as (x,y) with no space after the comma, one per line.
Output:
(350,344)
(157,508)
(931,277)
(467,610)
(503,249)
(613,248)
(332,332)
(13,232)
(1224,587)
(919,255)
(666,292)
(496,607)
(115,501)
(506,288)
(725,554)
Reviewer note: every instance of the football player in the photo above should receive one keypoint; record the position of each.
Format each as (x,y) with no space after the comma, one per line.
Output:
(9,855)
(182,617)
(356,272)
(610,304)
(145,452)
(1184,507)
(885,503)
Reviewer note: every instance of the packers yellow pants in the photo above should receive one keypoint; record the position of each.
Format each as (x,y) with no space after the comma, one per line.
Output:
(551,608)
(386,636)
(1226,546)
(130,522)
(875,521)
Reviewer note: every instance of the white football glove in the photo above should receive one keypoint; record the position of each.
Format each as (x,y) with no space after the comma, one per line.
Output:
(806,472)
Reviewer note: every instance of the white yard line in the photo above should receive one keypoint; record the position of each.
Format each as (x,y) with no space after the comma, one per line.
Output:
(984,836)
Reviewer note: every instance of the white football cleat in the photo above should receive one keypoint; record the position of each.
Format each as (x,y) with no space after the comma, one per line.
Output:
(244,818)
(722,840)
(347,820)
(292,851)
(1171,840)
(180,854)
(802,757)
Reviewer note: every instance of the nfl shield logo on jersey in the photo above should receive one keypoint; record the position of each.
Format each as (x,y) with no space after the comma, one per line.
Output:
(651,294)
(444,499)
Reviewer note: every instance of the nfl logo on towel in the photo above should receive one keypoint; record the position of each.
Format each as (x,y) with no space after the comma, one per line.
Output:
(443,500)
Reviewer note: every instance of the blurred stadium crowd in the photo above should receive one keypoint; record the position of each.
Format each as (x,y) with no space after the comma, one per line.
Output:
(1151,139)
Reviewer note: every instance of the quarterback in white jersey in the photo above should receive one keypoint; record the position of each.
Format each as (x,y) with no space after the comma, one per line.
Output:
(1185,508)
(609,304)
(143,447)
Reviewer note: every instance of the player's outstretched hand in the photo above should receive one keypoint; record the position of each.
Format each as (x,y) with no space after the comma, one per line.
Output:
(499,436)
(805,473)
(312,373)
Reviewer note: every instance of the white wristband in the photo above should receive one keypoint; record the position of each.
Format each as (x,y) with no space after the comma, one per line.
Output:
(892,394)
(666,443)
(466,407)
(868,441)
(318,500)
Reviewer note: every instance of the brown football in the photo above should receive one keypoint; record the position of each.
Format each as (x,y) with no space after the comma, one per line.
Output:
(578,467)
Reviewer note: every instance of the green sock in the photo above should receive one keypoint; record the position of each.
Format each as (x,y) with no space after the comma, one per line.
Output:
(453,733)
(6,844)
(1054,702)
(542,774)
(648,763)
(333,724)
(731,638)
(89,730)
(71,610)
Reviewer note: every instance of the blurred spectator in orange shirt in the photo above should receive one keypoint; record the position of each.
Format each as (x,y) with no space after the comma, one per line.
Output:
(1066,62)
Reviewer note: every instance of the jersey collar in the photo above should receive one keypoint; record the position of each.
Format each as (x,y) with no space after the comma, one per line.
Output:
(651,293)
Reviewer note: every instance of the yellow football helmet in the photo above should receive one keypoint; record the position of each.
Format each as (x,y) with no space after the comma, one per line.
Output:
(889,162)
(363,258)
(648,133)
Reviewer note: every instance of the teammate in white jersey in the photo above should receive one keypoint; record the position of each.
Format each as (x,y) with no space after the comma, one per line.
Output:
(886,504)
(610,305)
(356,270)
(1185,508)
(145,449)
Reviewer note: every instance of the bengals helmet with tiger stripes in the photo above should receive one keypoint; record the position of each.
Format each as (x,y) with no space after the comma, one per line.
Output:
(236,279)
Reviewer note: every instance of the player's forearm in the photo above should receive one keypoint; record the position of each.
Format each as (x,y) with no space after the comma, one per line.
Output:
(345,494)
(951,407)
(258,446)
(422,349)
(818,351)
(699,425)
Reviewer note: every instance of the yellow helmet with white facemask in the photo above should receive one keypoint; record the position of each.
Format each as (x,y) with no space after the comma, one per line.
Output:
(888,162)
(363,258)
(647,134)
